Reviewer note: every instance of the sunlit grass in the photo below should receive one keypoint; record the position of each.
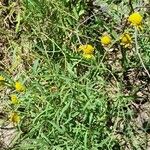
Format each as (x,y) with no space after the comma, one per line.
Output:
(66,101)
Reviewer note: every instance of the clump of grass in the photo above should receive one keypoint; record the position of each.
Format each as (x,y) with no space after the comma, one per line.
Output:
(65,100)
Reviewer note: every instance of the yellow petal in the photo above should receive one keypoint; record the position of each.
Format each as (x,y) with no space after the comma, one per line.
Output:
(19,87)
(14,99)
(2,78)
(135,19)
(14,118)
(88,56)
(106,40)
(87,49)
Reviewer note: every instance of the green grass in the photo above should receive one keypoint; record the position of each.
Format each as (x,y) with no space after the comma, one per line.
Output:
(71,103)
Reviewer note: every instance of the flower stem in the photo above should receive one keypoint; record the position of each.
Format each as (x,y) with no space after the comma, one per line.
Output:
(137,51)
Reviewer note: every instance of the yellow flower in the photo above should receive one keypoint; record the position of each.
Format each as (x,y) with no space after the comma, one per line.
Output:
(87,56)
(86,49)
(105,40)
(14,99)
(19,87)
(126,40)
(135,19)
(2,78)
(14,118)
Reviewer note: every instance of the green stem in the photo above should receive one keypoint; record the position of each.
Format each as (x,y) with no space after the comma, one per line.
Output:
(124,59)
(137,51)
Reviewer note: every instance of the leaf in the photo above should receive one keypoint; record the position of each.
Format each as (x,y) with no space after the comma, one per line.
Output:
(81,12)
(18,22)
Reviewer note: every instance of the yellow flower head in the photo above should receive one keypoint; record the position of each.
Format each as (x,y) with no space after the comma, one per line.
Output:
(2,78)
(105,40)
(126,40)
(86,49)
(14,118)
(135,19)
(14,99)
(87,56)
(19,87)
